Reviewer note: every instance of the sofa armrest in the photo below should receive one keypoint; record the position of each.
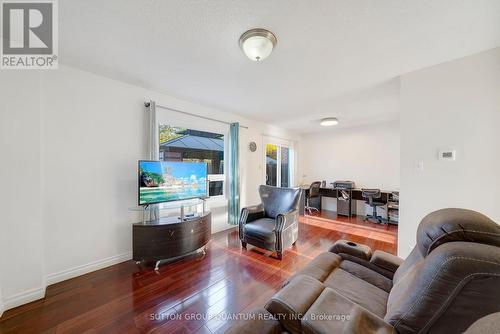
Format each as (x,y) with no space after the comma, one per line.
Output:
(360,251)
(386,261)
(251,213)
(290,303)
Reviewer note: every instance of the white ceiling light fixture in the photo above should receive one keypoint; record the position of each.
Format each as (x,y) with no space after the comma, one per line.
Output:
(329,121)
(257,44)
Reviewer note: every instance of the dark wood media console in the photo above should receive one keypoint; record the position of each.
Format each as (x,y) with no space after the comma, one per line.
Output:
(170,237)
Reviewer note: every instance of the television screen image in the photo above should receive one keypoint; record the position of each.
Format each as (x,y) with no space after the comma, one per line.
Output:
(163,181)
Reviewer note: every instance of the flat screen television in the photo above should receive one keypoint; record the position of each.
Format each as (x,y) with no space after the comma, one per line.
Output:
(164,181)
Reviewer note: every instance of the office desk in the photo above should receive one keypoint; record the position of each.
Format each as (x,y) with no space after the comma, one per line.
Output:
(354,194)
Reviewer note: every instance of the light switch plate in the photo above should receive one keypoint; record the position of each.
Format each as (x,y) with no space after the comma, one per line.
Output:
(447,155)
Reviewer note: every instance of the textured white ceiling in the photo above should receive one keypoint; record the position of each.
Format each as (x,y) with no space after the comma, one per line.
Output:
(333,58)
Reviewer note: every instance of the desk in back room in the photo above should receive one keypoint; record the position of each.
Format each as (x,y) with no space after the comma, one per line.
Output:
(354,194)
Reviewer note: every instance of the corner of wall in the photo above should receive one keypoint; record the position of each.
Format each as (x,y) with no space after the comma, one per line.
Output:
(23,298)
(2,308)
(39,293)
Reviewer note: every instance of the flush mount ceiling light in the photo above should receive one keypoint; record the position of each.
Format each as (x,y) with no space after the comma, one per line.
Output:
(329,121)
(257,44)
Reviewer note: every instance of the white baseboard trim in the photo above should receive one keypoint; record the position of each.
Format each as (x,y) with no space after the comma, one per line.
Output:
(23,298)
(216,228)
(87,268)
(38,293)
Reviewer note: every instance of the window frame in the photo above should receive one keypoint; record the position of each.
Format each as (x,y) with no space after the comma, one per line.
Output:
(210,177)
(218,177)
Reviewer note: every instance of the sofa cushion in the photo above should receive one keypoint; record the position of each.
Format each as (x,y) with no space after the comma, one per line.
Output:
(256,321)
(386,260)
(359,291)
(366,274)
(456,284)
(291,302)
(413,259)
(333,313)
(261,229)
(321,266)
(487,324)
(451,225)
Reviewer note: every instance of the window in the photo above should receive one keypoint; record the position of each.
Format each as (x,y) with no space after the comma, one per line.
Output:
(271,164)
(285,166)
(180,144)
(277,165)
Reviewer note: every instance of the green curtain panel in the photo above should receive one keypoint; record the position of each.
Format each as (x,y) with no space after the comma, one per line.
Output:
(234,173)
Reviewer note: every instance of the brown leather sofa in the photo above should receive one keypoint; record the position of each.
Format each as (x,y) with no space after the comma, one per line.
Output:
(274,224)
(488,324)
(450,280)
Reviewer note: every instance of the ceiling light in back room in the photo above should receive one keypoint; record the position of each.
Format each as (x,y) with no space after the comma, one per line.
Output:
(329,121)
(257,44)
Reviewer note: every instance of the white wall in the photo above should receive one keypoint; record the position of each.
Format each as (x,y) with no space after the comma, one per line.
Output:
(21,243)
(75,138)
(93,133)
(367,155)
(455,105)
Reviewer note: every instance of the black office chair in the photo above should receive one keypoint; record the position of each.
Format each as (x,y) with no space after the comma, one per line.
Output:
(313,193)
(370,195)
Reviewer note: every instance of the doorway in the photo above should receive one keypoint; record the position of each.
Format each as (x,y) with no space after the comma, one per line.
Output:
(278,164)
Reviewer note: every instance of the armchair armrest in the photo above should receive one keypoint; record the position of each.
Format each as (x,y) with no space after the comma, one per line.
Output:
(386,261)
(360,251)
(284,220)
(251,213)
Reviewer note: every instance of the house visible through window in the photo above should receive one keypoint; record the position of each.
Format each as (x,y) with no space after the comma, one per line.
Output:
(180,144)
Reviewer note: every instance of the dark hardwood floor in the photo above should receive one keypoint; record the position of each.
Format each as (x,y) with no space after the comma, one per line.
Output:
(193,295)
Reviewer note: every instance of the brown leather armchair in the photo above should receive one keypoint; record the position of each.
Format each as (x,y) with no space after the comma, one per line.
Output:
(274,224)
(449,281)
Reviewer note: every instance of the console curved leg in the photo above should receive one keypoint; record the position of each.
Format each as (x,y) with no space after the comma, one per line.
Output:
(244,244)
(280,255)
